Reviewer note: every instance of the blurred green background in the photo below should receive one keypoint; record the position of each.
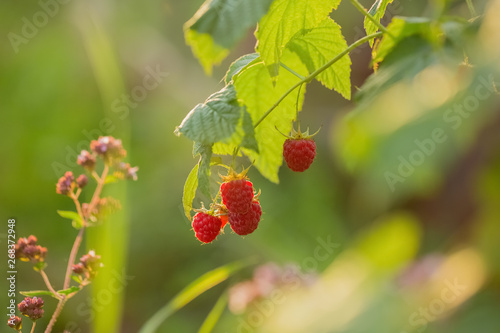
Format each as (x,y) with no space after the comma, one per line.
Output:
(65,85)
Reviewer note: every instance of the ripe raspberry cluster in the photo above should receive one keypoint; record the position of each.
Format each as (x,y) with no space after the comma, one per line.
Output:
(240,207)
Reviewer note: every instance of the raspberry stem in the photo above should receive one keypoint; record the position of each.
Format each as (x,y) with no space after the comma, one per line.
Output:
(311,76)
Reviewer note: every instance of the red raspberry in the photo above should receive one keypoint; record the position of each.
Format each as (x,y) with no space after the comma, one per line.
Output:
(299,153)
(244,224)
(237,195)
(206,227)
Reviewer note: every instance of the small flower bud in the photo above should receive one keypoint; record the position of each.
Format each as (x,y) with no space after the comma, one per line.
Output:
(86,160)
(81,181)
(15,323)
(89,265)
(127,172)
(91,261)
(65,183)
(31,307)
(109,148)
(28,250)
(78,269)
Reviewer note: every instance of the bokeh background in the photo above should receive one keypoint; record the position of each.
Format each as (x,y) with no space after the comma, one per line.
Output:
(396,252)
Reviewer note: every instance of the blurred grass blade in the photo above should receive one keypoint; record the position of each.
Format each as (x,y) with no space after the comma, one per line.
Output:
(193,290)
(215,314)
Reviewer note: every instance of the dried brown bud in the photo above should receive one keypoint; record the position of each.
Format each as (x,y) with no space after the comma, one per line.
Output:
(31,307)
(15,323)
(28,250)
(86,160)
(81,181)
(65,183)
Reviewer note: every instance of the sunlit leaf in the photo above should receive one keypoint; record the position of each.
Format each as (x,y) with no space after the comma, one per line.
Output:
(316,47)
(284,19)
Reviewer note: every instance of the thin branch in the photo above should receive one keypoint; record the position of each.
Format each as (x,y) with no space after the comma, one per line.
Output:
(370,17)
(311,76)
(291,71)
(33,327)
(47,283)
(77,243)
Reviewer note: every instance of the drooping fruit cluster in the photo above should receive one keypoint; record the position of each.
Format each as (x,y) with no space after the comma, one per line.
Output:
(243,207)
(239,206)
(299,150)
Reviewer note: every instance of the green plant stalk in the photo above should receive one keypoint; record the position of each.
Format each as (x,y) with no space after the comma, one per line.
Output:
(214,314)
(311,76)
(190,292)
(472,9)
(370,17)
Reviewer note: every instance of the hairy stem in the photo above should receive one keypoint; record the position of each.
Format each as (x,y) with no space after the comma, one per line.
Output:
(370,17)
(311,76)
(58,310)
(47,283)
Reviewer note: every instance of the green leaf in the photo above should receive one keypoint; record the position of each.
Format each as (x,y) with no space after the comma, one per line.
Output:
(204,169)
(77,222)
(317,46)
(214,315)
(377,11)
(238,65)
(256,91)
(214,120)
(67,214)
(33,293)
(205,49)
(400,28)
(193,290)
(248,141)
(406,60)
(76,278)
(227,21)
(284,19)
(218,25)
(190,191)
(68,291)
